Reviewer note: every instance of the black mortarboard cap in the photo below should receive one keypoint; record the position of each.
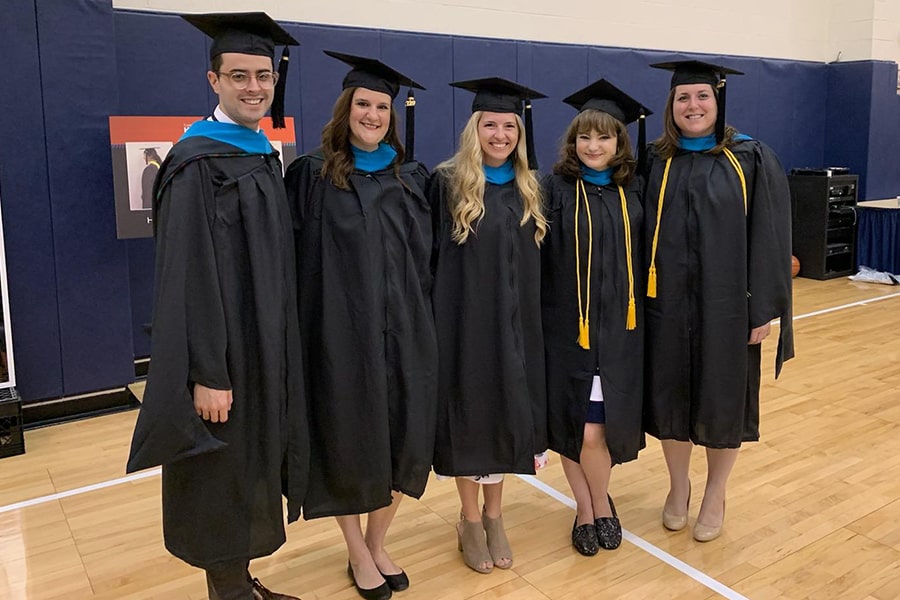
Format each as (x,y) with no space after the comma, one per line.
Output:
(696,71)
(494,94)
(373,74)
(249,33)
(604,96)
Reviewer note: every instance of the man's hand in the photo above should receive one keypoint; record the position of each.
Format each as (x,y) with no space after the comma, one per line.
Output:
(212,405)
(758,334)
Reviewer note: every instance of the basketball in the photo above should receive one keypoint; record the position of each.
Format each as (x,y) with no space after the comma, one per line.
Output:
(795,266)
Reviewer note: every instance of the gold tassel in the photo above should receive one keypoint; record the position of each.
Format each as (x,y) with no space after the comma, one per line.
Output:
(584,339)
(631,321)
(651,283)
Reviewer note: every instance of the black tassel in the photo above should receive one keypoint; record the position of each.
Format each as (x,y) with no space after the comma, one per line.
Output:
(277,111)
(410,125)
(529,138)
(720,116)
(642,143)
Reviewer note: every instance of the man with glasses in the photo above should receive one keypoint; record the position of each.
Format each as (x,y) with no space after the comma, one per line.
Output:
(223,411)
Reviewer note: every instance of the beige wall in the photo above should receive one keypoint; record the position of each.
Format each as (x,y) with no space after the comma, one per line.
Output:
(795,29)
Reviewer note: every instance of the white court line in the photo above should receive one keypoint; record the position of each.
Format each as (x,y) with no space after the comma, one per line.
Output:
(81,490)
(644,545)
(844,306)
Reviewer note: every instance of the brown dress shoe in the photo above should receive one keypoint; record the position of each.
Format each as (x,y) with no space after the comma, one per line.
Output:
(260,592)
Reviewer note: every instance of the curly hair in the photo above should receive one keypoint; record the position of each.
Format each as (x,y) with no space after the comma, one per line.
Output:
(623,163)
(339,162)
(467,183)
(668,143)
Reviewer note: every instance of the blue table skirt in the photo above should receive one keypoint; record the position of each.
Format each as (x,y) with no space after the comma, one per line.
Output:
(878,238)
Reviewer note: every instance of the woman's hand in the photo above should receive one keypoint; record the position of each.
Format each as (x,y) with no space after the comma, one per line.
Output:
(758,334)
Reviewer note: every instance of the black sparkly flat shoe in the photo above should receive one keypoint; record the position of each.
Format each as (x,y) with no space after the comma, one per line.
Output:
(584,538)
(609,529)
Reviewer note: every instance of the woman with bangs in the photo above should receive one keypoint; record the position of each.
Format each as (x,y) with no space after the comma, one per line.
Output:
(363,232)
(592,306)
(489,224)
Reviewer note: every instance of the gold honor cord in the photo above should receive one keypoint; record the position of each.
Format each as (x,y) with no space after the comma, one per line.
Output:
(631,319)
(651,276)
(737,168)
(584,339)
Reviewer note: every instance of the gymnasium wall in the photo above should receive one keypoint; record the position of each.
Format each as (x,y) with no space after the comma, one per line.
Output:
(816,30)
(79,297)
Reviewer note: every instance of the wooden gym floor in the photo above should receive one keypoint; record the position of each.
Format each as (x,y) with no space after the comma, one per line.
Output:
(813,509)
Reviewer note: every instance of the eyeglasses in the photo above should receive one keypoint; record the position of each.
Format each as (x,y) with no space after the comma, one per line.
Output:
(241,79)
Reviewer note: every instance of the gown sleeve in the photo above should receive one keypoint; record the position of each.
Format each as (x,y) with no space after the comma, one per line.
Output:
(189,340)
(769,252)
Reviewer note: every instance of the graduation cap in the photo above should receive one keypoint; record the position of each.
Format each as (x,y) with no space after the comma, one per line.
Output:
(374,75)
(494,94)
(249,33)
(695,71)
(605,97)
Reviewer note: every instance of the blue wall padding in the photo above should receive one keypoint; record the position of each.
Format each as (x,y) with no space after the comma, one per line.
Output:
(883,177)
(78,67)
(847,118)
(80,298)
(27,225)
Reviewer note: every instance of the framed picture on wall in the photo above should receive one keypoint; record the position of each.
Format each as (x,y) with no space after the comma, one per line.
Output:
(140,145)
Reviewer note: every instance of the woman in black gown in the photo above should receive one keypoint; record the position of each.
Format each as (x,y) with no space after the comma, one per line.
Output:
(592,303)
(363,233)
(491,399)
(718,240)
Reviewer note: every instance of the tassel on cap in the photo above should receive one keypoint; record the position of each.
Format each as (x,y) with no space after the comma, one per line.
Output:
(529,138)
(720,115)
(277,111)
(642,143)
(410,125)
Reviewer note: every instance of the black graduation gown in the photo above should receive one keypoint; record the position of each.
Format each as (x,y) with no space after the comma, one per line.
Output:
(720,273)
(224,316)
(368,334)
(492,412)
(616,354)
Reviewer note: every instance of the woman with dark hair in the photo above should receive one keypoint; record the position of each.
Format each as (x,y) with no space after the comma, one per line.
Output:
(591,302)
(719,246)
(363,233)
(491,400)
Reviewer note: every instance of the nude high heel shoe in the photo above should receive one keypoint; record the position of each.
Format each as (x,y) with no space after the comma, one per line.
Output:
(676,522)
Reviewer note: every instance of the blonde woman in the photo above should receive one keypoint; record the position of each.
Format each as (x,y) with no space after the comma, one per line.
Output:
(486,203)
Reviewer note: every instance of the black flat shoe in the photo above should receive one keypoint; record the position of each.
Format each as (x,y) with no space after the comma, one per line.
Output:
(382,592)
(397,582)
(609,529)
(584,538)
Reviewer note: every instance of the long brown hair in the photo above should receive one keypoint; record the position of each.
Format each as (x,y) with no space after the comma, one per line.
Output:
(668,143)
(336,142)
(622,163)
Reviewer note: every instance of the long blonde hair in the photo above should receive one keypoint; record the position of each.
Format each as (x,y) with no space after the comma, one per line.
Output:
(466,168)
